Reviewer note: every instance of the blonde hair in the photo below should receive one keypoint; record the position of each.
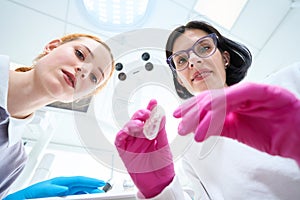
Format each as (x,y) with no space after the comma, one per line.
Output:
(72,37)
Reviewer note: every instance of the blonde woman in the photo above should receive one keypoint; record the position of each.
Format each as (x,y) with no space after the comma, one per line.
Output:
(72,67)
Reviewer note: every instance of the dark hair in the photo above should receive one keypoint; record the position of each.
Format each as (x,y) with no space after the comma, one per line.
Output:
(240,56)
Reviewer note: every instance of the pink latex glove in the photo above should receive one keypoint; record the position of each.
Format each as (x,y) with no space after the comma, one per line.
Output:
(262,116)
(149,162)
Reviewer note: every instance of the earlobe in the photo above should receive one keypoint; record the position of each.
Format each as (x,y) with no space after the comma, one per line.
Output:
(226,57)
(180,81)
(52,45)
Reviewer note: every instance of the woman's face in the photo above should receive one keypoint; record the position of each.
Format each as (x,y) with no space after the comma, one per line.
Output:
(74,69)
(201,73)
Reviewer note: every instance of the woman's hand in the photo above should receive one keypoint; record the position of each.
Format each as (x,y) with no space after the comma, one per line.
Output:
(149,162)
(60,186)
(262,116)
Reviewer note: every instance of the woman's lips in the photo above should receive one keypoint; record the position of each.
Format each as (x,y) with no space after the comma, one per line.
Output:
(69,78)
(200,75)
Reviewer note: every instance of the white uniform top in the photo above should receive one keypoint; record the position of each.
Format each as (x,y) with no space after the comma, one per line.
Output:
(288,77)
(222,168)
(12,154)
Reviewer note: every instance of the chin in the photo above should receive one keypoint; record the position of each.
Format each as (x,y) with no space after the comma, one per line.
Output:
(64,99)
(68,100)
(199,88)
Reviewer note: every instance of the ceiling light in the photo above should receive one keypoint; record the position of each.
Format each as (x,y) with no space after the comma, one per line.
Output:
(117,14)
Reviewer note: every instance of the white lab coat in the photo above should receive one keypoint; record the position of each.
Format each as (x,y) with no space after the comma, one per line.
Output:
(12,154)
(222,168)
(288,77)
(226,169)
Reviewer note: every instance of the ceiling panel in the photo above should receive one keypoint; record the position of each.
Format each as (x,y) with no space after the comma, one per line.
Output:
(259,19)
(54,8)
(281,49)
(25,32)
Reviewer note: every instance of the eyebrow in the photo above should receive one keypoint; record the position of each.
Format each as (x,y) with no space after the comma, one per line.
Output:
(101,71)
(91,53)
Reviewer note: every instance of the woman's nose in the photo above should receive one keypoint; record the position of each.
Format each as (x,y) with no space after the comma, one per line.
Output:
(81,72)
(193,60)
(78,69)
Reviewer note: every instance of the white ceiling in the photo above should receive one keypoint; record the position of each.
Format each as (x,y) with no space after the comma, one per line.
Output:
(270,28)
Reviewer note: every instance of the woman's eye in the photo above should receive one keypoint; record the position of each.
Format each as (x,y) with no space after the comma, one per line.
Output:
(182,61)
(203,49)
(93,78)
(79,55)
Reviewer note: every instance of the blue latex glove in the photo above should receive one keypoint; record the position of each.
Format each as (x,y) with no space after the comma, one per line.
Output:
(60,186)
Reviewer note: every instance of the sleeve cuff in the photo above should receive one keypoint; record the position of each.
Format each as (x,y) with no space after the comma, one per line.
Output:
(171,192)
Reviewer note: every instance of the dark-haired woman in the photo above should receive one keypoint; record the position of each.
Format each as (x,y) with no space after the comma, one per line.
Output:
(208,65)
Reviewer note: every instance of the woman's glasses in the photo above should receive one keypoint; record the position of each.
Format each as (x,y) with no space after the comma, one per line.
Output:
(204,47)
